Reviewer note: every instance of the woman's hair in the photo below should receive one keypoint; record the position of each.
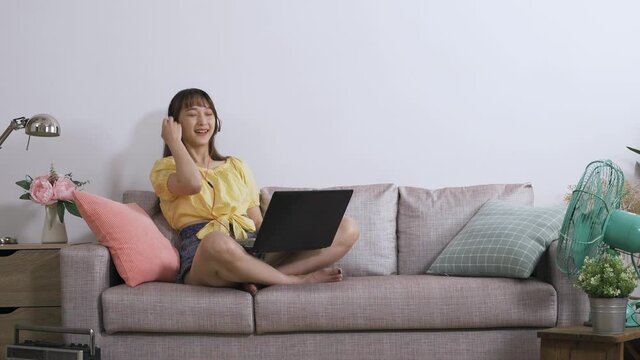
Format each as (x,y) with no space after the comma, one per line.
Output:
(187,98)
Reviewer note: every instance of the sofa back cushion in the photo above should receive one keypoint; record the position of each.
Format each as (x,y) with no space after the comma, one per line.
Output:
(429,219)
(374,208)
(150,203)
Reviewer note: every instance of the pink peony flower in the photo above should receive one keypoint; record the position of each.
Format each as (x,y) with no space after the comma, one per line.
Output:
(41,191)
(63,189)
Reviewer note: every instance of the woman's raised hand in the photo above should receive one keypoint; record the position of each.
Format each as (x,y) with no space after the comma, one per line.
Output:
(171,131)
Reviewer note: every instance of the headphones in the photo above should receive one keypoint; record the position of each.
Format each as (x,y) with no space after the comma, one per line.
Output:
(218,127)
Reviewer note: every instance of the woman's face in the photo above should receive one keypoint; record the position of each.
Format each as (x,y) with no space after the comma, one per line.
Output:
(198,125)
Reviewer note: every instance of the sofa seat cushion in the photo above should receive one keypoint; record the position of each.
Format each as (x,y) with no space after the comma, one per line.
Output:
(406,302)
(177,308)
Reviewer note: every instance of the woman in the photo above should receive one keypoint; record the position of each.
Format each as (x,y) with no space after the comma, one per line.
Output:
(213,200)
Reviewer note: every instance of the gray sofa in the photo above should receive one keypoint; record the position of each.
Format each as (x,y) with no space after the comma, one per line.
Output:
(386,308)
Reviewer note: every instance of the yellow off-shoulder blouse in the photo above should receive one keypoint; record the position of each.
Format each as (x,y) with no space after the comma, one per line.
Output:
(224,206)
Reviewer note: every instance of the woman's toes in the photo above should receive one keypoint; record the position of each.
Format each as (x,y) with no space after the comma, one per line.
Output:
(250,288)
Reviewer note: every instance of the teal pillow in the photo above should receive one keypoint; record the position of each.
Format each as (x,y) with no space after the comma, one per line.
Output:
(500,240)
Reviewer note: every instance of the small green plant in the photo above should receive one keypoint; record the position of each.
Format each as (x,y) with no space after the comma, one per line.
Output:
(606,276)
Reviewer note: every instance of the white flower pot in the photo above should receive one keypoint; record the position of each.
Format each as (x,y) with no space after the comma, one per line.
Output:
(53,230)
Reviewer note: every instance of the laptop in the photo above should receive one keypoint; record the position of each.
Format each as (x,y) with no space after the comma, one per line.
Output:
(299,220)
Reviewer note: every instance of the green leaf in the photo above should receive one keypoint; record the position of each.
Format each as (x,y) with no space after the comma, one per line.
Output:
(80,184)
(73,209)
(613,253)
(634,150)
(25,196)
(60,208)
(24,184)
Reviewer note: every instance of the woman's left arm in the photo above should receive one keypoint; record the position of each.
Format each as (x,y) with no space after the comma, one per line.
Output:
(255,215)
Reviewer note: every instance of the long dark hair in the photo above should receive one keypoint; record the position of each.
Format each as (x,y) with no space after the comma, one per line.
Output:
(194,97)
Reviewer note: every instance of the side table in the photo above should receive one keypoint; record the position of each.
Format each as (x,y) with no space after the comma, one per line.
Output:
(579,342)
(30,285)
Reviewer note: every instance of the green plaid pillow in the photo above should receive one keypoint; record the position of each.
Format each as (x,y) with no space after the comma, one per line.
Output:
(501,240)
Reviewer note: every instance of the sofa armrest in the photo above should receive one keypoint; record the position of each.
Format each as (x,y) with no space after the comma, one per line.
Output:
(86,271)
(573,303)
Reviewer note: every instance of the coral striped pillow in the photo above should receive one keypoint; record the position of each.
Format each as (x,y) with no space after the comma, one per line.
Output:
(139,251)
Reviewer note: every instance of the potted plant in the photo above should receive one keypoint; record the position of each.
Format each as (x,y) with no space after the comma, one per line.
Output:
(608,282)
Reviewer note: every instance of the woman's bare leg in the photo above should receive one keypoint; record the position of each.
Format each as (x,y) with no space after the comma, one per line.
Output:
(220,261)
(304,262)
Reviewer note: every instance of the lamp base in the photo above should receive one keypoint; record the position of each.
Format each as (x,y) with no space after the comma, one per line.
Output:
(7,240)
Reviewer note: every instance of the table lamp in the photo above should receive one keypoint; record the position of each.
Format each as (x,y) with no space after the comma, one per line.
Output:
(38,125)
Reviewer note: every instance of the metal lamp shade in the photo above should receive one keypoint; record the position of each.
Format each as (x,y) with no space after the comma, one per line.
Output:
(42,125)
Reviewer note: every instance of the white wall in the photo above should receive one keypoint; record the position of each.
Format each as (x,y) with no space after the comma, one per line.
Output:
(319,93)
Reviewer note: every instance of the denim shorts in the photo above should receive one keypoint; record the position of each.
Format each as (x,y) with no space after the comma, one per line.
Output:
(188,246)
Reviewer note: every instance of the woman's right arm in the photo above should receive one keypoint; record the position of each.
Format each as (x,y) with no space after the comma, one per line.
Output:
(187,179)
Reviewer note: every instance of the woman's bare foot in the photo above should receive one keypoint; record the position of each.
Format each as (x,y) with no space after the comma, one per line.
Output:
(318,276)
(251,288)
(322,276)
